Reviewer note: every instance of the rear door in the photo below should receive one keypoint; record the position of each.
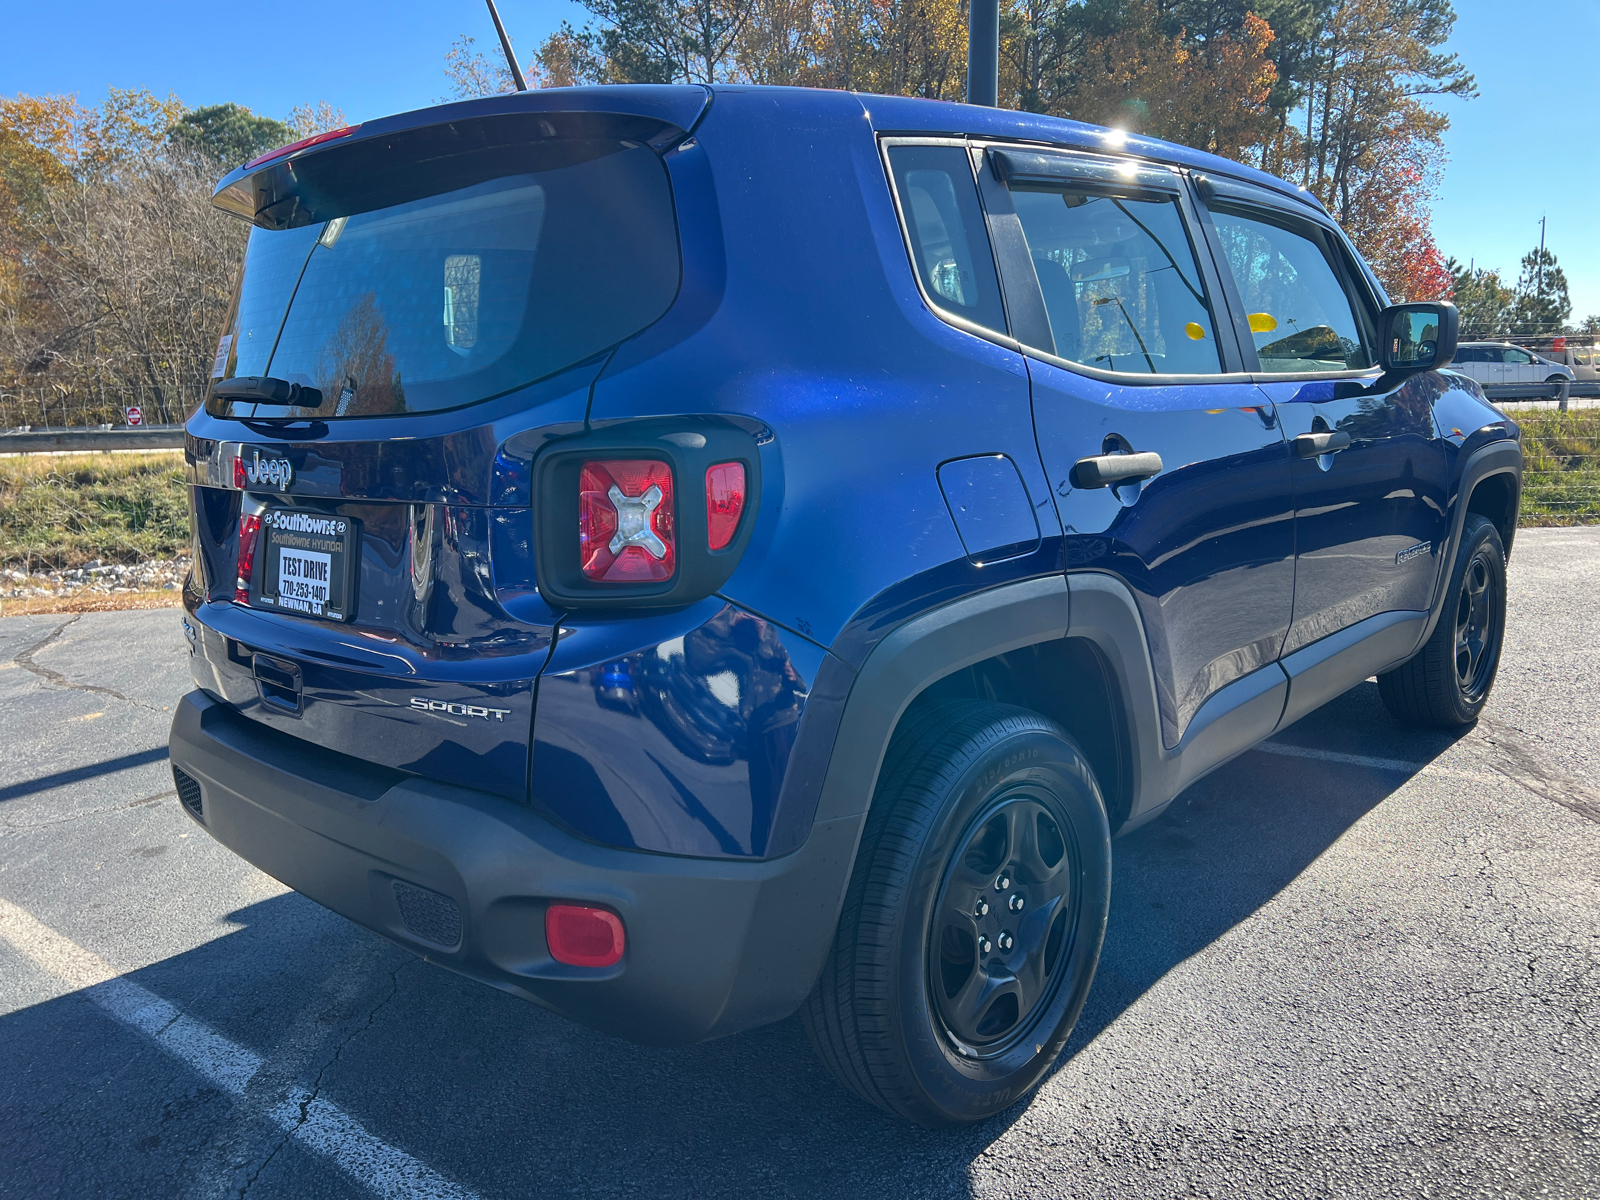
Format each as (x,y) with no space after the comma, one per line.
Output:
(1495,369)
(1521,367)
(1129,351)
(1472,361)
(1371,518)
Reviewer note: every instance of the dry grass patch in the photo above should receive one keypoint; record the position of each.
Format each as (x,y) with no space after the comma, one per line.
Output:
(61,511)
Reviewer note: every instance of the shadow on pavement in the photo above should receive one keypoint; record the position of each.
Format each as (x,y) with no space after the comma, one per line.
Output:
(510,1100)
(44,783)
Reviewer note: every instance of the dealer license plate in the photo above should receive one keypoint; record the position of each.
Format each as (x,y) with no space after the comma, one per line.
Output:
(309,561)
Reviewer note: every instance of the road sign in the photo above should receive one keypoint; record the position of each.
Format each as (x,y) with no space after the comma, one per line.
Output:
(134,416)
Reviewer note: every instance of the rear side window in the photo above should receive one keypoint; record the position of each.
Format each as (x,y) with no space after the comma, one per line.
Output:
(457,297)
(1119,279)
(949,245)
(1302,318)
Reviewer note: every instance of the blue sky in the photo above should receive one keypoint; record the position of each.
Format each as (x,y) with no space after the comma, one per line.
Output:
(1517,152)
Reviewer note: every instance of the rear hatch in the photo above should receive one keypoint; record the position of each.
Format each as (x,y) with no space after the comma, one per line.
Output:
(428,299)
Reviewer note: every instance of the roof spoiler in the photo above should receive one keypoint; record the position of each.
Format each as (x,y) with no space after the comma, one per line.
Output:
(312,182)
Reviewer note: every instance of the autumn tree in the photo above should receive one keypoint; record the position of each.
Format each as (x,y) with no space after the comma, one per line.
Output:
(1209,92)
(115,269)
(1365,137)
(306,120)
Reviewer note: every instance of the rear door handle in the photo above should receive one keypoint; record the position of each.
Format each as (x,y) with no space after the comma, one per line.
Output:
(1314,445)
(1108,470)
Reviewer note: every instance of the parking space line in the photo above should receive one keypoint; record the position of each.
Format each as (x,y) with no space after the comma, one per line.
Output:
(1431,768)
(316,1123)
(1355,760)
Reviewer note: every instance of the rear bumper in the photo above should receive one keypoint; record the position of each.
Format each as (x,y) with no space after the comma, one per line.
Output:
(713,946)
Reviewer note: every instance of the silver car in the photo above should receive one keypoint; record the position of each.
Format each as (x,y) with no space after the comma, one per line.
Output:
(1507,370)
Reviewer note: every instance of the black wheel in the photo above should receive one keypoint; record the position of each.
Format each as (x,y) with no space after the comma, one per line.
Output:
(1559,384)
(1447,684)
(973,920)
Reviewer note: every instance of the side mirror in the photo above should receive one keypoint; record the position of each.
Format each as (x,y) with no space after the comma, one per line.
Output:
(1417,337)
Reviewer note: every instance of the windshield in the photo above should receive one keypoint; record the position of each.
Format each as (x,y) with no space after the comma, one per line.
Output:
(460,296)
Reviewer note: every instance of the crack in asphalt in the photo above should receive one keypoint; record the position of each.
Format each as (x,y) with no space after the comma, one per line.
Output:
(1518,761)
(93,812)
(309,1096)
(24,659)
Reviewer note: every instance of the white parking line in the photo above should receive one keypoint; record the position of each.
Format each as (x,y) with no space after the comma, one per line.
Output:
(325,1129)
(1432,769)
(1355,760)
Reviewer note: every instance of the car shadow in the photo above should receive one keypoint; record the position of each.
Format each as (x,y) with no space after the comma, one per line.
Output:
(510,1100)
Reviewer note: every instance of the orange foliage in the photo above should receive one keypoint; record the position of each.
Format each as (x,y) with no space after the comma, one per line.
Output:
(1213,96)
(130,123)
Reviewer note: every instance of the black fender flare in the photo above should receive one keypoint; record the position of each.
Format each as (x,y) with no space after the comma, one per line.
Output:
(1500,457)
(920,652)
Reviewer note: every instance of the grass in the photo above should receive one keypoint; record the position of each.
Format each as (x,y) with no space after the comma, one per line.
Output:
(61,511)
(1561,466)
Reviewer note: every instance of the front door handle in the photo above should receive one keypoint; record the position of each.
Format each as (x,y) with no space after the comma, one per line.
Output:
(1108,470)
(1314,445)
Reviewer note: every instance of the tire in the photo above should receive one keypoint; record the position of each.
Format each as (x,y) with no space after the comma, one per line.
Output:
(1559,384)
(1447,683)
(911,1011)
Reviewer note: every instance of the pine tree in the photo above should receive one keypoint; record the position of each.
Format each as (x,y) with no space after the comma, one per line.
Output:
(1542,304)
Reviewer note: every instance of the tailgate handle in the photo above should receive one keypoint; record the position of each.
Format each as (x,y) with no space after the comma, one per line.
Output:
(279,682)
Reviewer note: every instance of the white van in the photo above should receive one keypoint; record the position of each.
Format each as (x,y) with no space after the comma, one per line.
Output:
(1499,365)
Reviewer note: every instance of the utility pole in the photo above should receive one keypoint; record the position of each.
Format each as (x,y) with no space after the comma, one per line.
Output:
(1539,286)
(983,53)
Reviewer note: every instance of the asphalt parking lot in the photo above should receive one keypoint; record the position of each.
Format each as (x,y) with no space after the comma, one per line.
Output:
(1362,962)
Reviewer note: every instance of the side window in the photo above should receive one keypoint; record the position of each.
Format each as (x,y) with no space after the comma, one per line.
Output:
(1119,278)
(1301,317)
(1521,357)
(949,244)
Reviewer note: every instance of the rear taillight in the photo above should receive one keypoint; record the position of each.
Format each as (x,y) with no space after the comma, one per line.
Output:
(724,503)
(239,478)
(583,937)
(626,530)
(249,532)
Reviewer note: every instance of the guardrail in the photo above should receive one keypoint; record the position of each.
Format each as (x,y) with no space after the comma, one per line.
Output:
(48,441)
(1541,391)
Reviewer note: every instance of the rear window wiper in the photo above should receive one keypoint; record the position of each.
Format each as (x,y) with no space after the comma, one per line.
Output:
(263,389)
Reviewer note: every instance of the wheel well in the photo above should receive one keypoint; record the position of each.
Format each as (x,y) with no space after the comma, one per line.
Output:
(1067,680)
(1496,498)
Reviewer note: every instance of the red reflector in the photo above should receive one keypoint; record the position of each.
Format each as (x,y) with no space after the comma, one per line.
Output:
(315,139)
(249,531)
(625,521)
(239,479)
(724,502)
(583,937)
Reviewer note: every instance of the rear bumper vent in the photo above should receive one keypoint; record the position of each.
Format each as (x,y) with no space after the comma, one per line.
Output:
(428,915)
(188,791)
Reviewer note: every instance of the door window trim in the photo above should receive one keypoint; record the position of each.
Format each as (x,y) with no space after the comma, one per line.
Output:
(1020,282)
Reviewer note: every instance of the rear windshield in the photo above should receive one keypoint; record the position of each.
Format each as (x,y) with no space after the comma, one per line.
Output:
(461,296)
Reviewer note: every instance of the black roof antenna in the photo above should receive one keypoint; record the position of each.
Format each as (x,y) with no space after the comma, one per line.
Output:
(505,44)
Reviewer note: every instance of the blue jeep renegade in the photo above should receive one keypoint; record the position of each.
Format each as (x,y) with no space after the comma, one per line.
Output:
(686,555)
